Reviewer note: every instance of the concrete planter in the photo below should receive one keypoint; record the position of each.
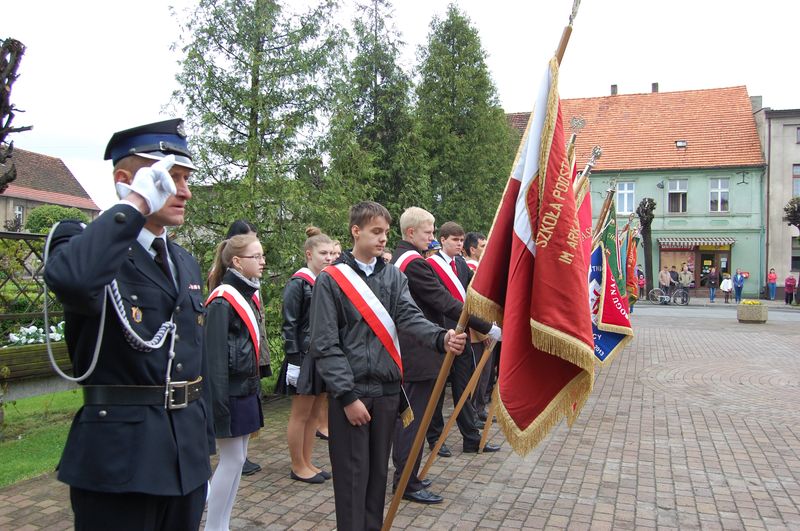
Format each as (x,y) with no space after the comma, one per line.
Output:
(31,361)
(752,313)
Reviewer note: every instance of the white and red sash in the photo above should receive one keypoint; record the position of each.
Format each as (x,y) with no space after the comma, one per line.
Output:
(406,258)
(473,264)
(306,274)
(243,310)
(445,272)
(370,308)
(257,299)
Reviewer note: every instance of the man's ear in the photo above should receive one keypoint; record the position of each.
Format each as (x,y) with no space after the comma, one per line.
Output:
(355,231)
(122,176)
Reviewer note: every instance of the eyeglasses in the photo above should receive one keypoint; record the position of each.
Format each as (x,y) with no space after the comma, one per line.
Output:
(256,257)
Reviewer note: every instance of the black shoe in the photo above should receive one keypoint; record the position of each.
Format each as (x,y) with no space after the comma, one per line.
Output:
(322,435)
(444,451)
(325,474)
(482,416)
(425,483)
(488,448)
(316,478)
(249,468)
(423,496)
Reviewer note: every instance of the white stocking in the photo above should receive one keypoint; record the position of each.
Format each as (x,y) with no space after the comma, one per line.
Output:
(225,482)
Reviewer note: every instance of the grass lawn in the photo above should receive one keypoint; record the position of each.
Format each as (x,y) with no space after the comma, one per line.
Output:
(34,434)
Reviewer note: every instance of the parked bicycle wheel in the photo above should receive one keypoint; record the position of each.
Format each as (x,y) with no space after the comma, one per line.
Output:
(655,295)
(681,297)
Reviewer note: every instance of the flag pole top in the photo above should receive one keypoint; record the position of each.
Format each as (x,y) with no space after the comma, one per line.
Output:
(562,46)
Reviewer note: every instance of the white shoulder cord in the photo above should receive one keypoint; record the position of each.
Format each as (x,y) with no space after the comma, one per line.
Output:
(110,291)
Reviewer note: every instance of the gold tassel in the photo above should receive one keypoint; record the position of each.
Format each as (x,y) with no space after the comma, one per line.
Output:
(407,416)
(613,354)
(567,403)
(562,345)
(484,308)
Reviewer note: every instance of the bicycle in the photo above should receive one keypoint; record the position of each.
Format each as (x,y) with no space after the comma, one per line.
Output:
(680,296)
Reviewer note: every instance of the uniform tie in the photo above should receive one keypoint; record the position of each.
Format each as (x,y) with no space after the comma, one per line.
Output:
(453,265)
(160,247)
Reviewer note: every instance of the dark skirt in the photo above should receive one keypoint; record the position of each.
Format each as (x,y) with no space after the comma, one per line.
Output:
(309,381)
(246,414)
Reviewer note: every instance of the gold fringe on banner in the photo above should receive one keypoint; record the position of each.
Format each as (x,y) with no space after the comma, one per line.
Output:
(567,403)
(484,308)
(564,346)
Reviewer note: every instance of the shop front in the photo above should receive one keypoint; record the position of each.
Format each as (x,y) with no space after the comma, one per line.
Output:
(699,254)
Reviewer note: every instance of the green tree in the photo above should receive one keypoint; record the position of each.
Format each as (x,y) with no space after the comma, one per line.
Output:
(255,88)
(468,141)
(792,212)
(646,213)
(374,137)
(41,218)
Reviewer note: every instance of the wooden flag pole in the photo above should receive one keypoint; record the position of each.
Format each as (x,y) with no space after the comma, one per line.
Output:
(473,382)
(489,418)
(416,447)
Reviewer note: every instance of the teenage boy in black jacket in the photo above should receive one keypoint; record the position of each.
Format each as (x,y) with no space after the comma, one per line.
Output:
(362,377)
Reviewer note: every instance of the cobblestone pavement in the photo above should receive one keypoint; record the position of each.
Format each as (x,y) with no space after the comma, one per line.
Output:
(695,425)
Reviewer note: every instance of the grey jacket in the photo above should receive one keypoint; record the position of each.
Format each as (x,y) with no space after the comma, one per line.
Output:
(350,357)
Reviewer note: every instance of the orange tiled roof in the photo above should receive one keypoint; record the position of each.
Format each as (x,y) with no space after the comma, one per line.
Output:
(638,131)
(40,176)
(50,198)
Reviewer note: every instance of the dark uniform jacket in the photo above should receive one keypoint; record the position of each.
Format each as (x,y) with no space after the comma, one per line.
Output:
(296,322)
(232,366)
(350,357)
(146,449)
(439,306)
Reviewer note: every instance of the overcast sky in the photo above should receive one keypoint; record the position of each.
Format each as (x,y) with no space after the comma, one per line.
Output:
(95,67)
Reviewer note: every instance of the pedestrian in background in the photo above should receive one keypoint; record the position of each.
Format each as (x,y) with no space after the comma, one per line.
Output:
(726,286)
(788,288)
(738,284)
(772,283)
(712,281)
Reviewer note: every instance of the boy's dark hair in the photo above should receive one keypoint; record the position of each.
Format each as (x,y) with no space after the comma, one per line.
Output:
(364,212)
(451,228)
(471,240)
(238,227)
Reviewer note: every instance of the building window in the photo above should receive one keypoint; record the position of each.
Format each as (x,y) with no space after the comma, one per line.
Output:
(719,195)
(19,212)
(677,195)
(798,135)
(625,197)
(795,180)
(795,253)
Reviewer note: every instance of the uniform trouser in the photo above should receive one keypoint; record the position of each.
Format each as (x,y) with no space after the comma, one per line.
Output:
(482,394)
(737,291)
(360,462)
(135,511)
(467,420)
(419,393)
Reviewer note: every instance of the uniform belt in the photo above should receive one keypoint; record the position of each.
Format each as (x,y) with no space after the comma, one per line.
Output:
(176,395)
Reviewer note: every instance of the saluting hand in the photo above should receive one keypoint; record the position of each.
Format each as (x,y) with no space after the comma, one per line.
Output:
(455,343)
(357,413)
(153,183)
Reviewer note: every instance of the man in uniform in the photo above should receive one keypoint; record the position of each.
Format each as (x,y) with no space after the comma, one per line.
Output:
(137,454)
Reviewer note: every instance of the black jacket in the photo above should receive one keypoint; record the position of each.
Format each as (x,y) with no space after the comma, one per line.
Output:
(296,323)
(438,305)
(146,449)
(232,367)
(350,357)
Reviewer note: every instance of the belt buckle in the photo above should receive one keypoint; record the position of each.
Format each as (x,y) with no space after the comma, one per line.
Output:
(171,404)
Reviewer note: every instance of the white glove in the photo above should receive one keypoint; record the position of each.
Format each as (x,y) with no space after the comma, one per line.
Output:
(292,372)
(495,333)
(153,183)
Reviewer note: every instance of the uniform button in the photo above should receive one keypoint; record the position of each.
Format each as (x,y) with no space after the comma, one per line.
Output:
(179,367)
(177,309)
(177,337)
(120,217)
(102,413)
(134,297)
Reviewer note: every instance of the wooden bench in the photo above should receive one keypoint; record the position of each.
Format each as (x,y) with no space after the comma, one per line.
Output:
(31,361)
